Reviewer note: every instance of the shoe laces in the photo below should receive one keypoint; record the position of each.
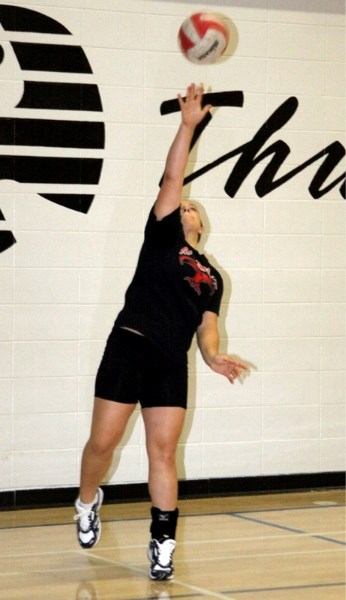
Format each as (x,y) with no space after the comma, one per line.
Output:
(85,518)
(165,552)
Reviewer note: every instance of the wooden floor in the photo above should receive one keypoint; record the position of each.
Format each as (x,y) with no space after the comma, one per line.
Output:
(268,547)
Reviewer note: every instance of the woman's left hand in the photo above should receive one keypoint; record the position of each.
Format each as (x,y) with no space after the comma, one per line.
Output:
(228,366)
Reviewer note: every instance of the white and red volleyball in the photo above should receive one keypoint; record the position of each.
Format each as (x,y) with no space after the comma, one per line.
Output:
(203,38)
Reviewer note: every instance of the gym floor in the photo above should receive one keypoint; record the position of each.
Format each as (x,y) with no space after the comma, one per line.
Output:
(266,547)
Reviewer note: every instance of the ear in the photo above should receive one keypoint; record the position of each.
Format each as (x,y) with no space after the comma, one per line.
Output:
(200,231)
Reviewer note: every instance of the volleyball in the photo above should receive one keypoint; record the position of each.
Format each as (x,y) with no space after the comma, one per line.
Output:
(203,38)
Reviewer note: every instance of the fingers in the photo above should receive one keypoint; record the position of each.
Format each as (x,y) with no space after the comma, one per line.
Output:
(237,364)
(237,370)
(181,101)
(232,362)
(191,106)
(233,375)
(207,108)
(231,378)
(193,92)
(231,368)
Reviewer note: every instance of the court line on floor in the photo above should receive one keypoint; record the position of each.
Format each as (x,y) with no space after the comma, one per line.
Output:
(286,588)
(170,597)
(217,540)
(292,508)
(188,586)
(184,542)
(181,516)
(192,542)
(285,528)
(177,560)
(196,590)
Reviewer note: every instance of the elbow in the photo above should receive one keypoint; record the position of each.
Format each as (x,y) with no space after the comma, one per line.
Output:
(172,180)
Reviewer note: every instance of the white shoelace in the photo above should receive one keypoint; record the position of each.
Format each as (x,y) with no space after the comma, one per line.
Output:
(84,516)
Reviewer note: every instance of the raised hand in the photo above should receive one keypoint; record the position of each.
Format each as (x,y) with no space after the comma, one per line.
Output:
(192,112)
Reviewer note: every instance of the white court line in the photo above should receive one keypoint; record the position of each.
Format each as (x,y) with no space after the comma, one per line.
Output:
(185,543)
(176,581)
(289,533)
(128,567)
(202,591)
(176,561)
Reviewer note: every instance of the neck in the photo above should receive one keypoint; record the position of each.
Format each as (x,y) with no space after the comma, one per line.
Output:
(192,239)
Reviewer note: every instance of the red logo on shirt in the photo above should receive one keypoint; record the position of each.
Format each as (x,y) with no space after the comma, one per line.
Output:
(201,275)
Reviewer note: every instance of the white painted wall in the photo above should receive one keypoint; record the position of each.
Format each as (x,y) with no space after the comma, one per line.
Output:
(282,256)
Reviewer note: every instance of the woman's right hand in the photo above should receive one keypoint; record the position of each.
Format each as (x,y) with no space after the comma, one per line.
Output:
(192,112)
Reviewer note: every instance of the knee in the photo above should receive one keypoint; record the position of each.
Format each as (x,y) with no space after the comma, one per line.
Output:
(100,446)
(165,454)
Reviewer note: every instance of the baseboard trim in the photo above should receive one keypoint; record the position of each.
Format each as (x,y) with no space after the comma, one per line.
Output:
(193,488)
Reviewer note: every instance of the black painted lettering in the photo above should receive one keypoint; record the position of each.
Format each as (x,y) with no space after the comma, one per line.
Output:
(251,155)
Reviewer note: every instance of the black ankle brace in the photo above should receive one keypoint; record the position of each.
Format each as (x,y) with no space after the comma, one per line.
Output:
(163,524)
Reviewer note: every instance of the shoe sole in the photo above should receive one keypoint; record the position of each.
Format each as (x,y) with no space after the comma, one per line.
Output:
(160,576)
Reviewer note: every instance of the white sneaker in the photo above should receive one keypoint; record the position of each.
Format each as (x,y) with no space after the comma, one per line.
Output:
(88,522)
(161,558)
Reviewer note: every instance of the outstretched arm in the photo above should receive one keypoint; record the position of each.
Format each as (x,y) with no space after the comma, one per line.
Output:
(208,342)
(192,113)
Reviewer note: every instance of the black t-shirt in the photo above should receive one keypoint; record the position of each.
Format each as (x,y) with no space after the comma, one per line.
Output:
(172,287)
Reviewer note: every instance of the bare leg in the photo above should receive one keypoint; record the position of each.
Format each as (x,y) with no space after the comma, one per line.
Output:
(163,427)
(108,426)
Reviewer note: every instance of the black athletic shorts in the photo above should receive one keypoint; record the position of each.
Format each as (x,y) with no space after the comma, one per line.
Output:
(133,370)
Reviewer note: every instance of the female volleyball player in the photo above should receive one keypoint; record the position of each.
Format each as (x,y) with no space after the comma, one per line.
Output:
(175,293)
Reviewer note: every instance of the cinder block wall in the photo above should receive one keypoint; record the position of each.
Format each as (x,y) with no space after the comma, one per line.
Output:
(282,254)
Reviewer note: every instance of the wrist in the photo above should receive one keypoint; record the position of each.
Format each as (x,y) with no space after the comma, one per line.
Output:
(209,359)
(188,127)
